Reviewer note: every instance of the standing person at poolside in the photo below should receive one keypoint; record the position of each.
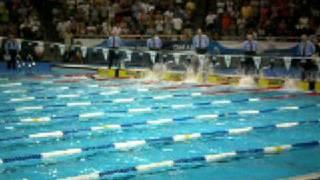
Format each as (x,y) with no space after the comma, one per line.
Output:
(200,43)
(154,43)
(306,49)
(114,42)
(250,47)
(12,49)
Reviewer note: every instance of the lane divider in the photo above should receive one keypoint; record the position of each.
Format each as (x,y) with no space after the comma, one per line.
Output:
(36,90)
(214,116)
(77,95)
(54,87)
(14,91)
(22,99)
(41,82)
(128,145)
(7,85)
(209,158)
(114,91)
(115,101)
(45,79)
(135,110)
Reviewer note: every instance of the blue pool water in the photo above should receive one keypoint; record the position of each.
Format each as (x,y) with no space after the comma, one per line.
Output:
(54,128)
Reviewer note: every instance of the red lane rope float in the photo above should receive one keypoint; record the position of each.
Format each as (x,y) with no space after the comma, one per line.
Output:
(102,79)
(79,75)
(150,82)
(171,87)
(275,87)
(222,92)
(313,94)
(183,86)
(203,85)
(38,78)
(280,97)
(99,78)
(219,92)
(67,81)
(117,85)
(74,78)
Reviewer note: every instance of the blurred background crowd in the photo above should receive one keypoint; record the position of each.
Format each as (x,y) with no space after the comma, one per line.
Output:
(61,19)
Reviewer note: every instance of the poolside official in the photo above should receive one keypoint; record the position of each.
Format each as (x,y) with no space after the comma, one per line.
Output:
(250,47)
(114,42)
(200,42)
(306,49)
(11,49)
(154,43)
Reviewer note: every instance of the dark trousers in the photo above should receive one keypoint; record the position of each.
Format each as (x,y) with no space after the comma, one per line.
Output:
(157,58)
(12,64)
(309,69)
(248,64)
(113,58)
(201,50)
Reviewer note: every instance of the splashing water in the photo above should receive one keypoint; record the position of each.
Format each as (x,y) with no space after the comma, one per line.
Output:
(191,76)
(157,72)
(290,84)
(247,82)
(199,72)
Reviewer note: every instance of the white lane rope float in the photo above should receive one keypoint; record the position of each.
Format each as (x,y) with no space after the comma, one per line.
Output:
(205,159)
(131,144)
(99,114)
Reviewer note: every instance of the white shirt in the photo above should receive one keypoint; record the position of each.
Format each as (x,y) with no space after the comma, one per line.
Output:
(113,10)
(159,25)
(168,13)
(304,22)
(62,26)
(210,18)
(105,28)
(116,30)
(35,26)
(177,23)
(220,6)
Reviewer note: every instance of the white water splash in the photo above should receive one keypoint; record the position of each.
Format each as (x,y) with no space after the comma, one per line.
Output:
(247,82)
(190,76)
(157,73)
(199,72)
(291,84)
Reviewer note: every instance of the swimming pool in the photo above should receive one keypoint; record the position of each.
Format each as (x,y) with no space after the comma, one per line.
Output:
(67,126)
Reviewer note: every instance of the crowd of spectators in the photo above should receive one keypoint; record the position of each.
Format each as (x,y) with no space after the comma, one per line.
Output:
(131,16)
(219,17)
(19,17)
(266,17)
